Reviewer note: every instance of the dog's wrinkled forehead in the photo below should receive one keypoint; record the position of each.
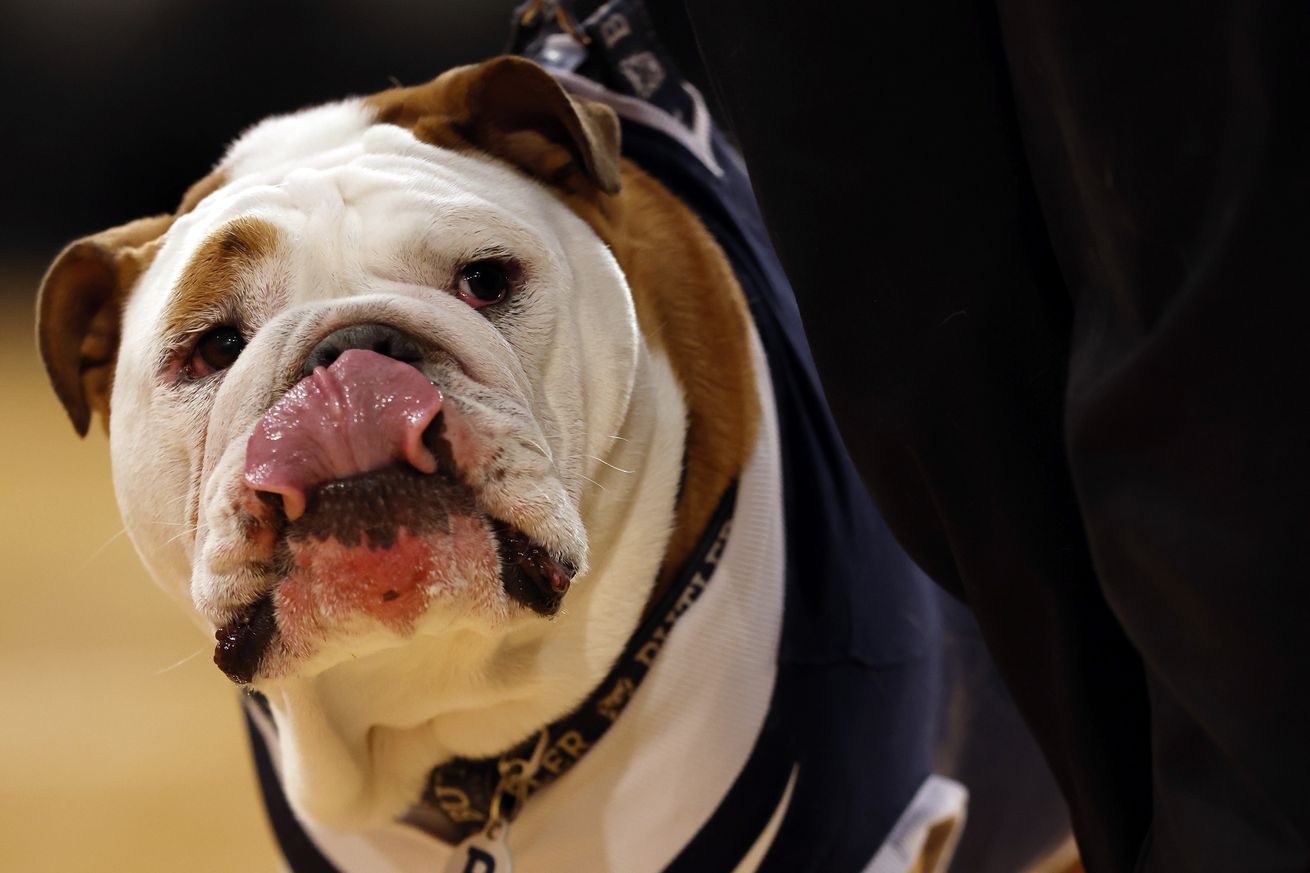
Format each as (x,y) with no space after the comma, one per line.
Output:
(355,196)
(348,138)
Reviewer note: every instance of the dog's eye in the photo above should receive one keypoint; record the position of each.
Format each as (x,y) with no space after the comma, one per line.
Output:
(483,283)
(217,350)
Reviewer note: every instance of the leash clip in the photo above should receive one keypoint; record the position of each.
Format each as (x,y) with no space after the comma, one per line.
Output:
(562,18)
(488,850)
(515,778)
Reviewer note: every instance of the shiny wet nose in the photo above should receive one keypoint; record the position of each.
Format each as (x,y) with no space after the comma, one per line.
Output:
(380,338)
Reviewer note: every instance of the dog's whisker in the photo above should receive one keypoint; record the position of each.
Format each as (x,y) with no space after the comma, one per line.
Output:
(593,482)
(106,544)
(190,657)
(187,530)
(545,454)
(611,466)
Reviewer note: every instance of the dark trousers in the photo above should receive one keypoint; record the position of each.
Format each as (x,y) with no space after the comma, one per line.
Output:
(1052,258)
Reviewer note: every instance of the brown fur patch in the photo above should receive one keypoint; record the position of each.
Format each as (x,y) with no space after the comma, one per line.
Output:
(79,309)
(690,307)
(216,267)
(79,306)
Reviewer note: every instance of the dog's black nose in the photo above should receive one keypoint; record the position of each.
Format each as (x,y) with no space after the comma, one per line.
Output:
(380,338)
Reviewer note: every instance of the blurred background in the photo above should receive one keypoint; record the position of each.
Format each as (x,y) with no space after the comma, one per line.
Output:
(121,746)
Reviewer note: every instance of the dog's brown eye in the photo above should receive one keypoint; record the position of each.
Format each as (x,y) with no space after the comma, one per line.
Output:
(483,283)
(217,350)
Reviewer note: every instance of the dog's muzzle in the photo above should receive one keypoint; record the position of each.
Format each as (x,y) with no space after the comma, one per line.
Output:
(354,458)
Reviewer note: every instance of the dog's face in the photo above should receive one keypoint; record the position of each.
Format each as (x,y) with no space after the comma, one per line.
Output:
(378,405)
(488,282)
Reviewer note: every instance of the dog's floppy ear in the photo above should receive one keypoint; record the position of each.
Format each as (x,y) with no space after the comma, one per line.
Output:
(79,308)
(513,109)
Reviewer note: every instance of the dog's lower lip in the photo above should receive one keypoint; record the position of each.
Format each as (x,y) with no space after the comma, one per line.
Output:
(529,573)
(243,641)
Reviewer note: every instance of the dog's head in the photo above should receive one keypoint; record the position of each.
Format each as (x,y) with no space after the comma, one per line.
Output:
(384,416)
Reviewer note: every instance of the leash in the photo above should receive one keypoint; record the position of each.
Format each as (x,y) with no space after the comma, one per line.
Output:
(482,796)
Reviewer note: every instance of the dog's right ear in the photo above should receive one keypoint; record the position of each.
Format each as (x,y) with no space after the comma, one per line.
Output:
(511,108)
(79,309)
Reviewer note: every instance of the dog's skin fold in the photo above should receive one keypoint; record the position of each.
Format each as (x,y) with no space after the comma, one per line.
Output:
(601,408)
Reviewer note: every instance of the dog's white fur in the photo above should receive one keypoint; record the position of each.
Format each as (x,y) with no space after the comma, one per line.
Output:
(588,420)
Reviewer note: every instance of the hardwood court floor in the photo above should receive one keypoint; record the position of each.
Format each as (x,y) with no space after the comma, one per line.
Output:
(121,746)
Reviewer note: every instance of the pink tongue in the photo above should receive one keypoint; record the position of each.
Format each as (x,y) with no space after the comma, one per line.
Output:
(363,412)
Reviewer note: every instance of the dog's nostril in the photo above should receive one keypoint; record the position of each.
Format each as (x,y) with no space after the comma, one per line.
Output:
(380,338)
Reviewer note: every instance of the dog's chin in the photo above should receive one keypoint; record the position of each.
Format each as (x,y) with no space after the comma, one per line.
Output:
(375,559)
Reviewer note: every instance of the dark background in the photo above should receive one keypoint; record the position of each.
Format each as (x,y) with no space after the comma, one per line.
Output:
(113,108)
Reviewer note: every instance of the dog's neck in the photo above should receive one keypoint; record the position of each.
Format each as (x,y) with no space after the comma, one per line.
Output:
(656,776)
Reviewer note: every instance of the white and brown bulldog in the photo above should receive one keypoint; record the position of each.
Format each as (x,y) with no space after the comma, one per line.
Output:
(400,403)
(419,403)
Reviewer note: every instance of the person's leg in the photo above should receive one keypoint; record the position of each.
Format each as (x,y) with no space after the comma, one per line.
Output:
(1173,161)
(884,148)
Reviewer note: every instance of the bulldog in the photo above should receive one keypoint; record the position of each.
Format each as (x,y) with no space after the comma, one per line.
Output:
(425,405)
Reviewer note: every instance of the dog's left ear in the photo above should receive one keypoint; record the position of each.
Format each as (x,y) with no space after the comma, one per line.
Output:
(79,308)
(511,108)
